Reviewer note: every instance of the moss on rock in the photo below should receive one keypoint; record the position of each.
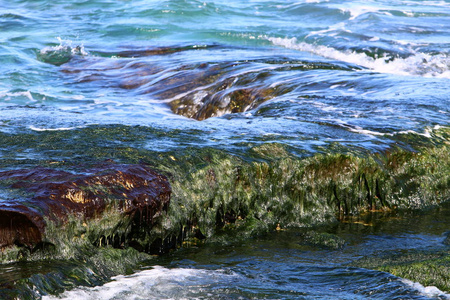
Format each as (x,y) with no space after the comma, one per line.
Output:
(213,190)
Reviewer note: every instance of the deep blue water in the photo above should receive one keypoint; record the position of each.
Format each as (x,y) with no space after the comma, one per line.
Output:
(360,73)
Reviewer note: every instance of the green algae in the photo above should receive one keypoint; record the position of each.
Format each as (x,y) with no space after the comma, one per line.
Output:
(31,280)
(322,240)
(430,268)
(223,196)
(78,238)
(226,192)
(77,253)
(262,187)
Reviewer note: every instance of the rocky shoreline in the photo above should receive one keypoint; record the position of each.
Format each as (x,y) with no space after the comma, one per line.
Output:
(102,213)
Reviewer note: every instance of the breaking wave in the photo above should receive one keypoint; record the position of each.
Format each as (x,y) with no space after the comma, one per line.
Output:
(60,54)
(417,64)
(157,283)
(428,291)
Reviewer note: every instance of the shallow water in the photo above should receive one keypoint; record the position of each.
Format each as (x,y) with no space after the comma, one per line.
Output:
(318,76)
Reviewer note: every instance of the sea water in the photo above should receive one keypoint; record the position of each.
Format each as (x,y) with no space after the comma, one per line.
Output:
(362,74)
(281,265)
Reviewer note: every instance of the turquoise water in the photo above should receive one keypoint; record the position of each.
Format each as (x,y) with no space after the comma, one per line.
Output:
(363,74)
(346,71)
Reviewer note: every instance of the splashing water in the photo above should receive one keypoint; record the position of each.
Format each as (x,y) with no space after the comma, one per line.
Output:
(417,64)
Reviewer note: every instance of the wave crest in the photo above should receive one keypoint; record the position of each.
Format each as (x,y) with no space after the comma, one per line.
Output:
(417,64)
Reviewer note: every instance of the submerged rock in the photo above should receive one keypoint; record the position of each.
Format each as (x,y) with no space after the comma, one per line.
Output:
(321,240)
(198,90)
(429,267)
(46,201)
(447,238)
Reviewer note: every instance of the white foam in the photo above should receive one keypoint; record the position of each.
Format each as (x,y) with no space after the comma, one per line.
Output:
(418,64)
(358,10)
(360,130)
(8,95)
(427,133)
(157,283)
(440,4)
(429,291)
(356,129)
(53,129)
(65,46)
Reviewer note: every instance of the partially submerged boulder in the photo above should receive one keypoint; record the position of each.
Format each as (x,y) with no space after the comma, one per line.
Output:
(195,90)
(44,195)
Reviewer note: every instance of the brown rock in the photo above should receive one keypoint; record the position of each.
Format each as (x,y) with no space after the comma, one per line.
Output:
(57,195)
(198,91)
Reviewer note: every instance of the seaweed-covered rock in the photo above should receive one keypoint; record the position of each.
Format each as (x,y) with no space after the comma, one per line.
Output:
(43,198)
(322,240)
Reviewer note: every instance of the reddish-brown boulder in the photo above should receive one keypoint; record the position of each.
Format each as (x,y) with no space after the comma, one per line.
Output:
(45,194)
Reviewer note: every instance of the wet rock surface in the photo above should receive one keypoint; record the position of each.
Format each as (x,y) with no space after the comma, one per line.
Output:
(49,195)
(199,89)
